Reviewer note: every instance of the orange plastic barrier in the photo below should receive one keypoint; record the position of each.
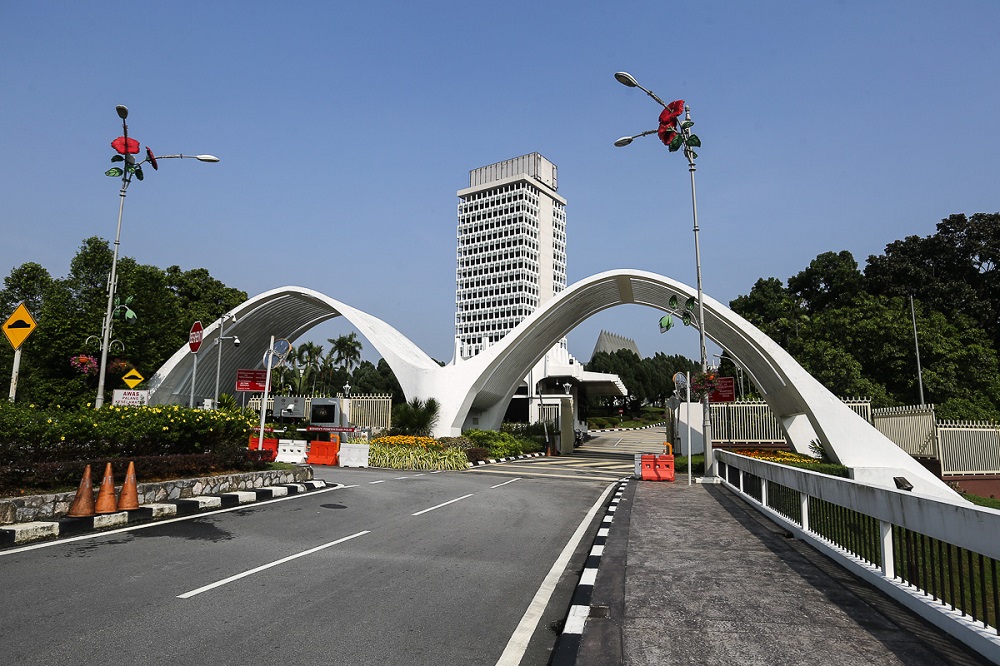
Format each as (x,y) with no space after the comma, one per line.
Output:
(269,445)
(324,453)
(657,468)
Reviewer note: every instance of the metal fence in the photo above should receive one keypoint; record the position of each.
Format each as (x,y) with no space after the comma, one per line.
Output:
(751,422)
(366,411)
(912,428)
(962,447)
(969,447)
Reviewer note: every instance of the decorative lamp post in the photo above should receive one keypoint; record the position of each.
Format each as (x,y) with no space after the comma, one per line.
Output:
(126,149)
(676,134)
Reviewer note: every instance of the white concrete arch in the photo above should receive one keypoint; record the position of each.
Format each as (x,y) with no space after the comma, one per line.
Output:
(477,390)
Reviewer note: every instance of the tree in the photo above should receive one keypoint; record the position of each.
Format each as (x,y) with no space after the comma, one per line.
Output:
(70,312)
(954,271)
(831,279)
(346,350)
(771,307)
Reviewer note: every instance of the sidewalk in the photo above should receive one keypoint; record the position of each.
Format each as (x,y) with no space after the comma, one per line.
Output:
(693,575)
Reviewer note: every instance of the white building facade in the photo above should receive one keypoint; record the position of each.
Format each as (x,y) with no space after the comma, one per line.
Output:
(511,249)
(511,259)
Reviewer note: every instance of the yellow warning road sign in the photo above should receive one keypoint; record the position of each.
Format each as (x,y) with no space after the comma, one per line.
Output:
(133,378)
(19,326)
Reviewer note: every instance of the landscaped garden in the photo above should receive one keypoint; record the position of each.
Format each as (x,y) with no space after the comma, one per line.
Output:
(46,450)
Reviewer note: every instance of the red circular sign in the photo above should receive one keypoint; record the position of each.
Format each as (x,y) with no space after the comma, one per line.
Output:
(194,338)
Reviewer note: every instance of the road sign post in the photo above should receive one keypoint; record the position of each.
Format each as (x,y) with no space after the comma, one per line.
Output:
(17,328)
(194,342)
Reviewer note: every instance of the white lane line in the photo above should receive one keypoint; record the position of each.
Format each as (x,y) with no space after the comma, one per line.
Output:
(505,483)
(225,581)
(457,499)
(374,482)
(619,442)
(400,478)
(158,523)
(518,643)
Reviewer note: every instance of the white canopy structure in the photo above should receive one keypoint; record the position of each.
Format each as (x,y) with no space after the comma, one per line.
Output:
(477,390)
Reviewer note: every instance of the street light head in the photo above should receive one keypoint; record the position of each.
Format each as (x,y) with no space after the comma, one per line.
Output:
(236,341)
(622,142)
(206,158)
(626,79)
(122,111)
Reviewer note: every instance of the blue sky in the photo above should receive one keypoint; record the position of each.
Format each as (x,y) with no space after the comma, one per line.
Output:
(345,130)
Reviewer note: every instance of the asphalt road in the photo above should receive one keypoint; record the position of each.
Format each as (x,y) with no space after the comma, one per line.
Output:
(394,568)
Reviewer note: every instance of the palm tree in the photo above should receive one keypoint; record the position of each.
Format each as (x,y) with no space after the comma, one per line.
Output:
(346,350)
(415,417)
(308,358)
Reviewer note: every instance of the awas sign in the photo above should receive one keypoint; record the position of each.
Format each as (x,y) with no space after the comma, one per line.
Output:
(130,398)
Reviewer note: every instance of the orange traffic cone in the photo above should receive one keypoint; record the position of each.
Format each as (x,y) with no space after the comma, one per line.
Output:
(83,503)
(128,499)
(106,494)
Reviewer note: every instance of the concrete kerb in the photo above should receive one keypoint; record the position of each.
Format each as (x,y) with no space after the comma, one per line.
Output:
(655,425)
(18,534)
(493,461)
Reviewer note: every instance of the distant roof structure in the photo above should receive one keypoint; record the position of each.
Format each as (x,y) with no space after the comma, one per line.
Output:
(611,342)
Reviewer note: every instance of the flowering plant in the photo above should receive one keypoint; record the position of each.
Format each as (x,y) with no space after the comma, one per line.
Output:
(704,383)
(674,132)
(117,366)
(84,364)
(121,145)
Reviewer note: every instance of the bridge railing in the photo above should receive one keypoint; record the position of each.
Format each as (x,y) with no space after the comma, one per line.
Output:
(937,558)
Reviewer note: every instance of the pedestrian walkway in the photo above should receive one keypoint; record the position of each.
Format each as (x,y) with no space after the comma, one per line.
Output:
(691,574)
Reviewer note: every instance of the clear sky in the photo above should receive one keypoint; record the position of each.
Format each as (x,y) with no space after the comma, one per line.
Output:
(345,130)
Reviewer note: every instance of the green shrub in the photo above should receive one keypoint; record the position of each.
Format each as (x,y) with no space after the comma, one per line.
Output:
(30,437)
(475,454)
(416,457)
(502,444)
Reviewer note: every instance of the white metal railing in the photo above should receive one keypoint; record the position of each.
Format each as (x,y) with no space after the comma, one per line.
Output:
(937,558)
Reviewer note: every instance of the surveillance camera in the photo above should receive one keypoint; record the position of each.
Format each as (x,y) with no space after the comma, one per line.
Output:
(290,408)
(236,342)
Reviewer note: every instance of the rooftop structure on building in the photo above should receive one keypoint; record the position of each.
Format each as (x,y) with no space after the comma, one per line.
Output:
(611,342)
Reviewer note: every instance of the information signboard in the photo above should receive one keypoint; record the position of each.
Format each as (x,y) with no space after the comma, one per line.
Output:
(251,380)
(725,390)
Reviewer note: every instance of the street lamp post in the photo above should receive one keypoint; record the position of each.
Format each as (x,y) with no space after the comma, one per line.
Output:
(676,134)
(218,360)
(916,344)
(126,149)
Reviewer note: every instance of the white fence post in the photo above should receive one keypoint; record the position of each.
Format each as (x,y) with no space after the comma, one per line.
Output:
(888,566)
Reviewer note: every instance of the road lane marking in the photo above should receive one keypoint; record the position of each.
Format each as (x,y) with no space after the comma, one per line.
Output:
(379,481)
(226,581)
(619,442)
(457,499)
(505,483)
(518,643)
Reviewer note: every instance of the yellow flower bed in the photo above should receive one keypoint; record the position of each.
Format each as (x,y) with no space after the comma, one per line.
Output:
(408,440)
(781,457)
